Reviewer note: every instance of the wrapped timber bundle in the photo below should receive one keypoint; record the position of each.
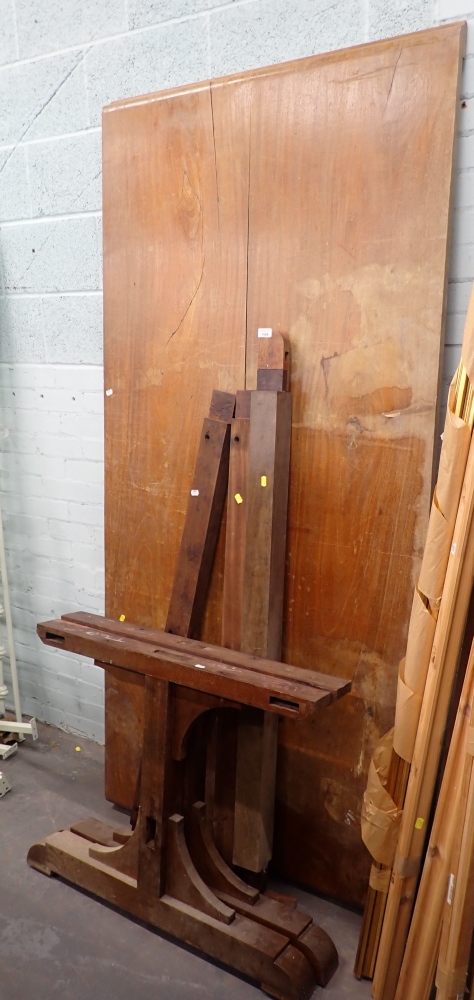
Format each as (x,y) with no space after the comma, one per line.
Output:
(403,770)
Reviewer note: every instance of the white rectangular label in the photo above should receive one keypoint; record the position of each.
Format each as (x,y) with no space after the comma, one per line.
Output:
(264,331)
(449,897)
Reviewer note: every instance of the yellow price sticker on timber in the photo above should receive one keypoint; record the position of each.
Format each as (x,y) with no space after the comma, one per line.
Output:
(238,498)
(122,618)
(419,823)
(263,480)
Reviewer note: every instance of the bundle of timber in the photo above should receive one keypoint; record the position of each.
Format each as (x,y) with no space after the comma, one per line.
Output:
(400,792)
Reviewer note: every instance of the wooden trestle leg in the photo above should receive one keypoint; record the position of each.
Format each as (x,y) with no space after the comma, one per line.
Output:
(169,873)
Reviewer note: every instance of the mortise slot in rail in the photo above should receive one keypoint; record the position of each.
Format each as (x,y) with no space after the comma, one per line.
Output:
(293,706)
(52,635)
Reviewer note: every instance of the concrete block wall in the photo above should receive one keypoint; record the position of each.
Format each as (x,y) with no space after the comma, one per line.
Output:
(59,64)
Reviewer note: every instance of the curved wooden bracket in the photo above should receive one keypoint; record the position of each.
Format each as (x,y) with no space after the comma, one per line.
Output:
(211,867)
(183,881)
(122,859)
(188,705)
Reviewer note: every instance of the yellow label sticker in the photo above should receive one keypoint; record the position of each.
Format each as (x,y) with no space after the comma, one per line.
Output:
(122,618)
(419,823)
(263,480)
(238,498)
(78,748)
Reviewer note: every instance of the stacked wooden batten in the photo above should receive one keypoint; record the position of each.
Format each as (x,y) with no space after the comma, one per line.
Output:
(401,952)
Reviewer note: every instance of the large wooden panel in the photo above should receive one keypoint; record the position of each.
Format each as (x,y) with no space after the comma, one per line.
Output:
(311,197)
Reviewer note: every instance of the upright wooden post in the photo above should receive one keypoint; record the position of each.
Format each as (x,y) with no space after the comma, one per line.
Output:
(262,598)
(155,787)
(237,508)
(203,519)
(222,759)
(268,474)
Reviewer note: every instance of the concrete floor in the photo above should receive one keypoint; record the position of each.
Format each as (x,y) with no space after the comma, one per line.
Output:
(58,942)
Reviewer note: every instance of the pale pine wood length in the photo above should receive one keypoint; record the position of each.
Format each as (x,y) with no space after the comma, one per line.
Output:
(420,958)
(458,914)
(312,198)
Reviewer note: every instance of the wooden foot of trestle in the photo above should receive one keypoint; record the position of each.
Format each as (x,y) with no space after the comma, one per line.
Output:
(272,943)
